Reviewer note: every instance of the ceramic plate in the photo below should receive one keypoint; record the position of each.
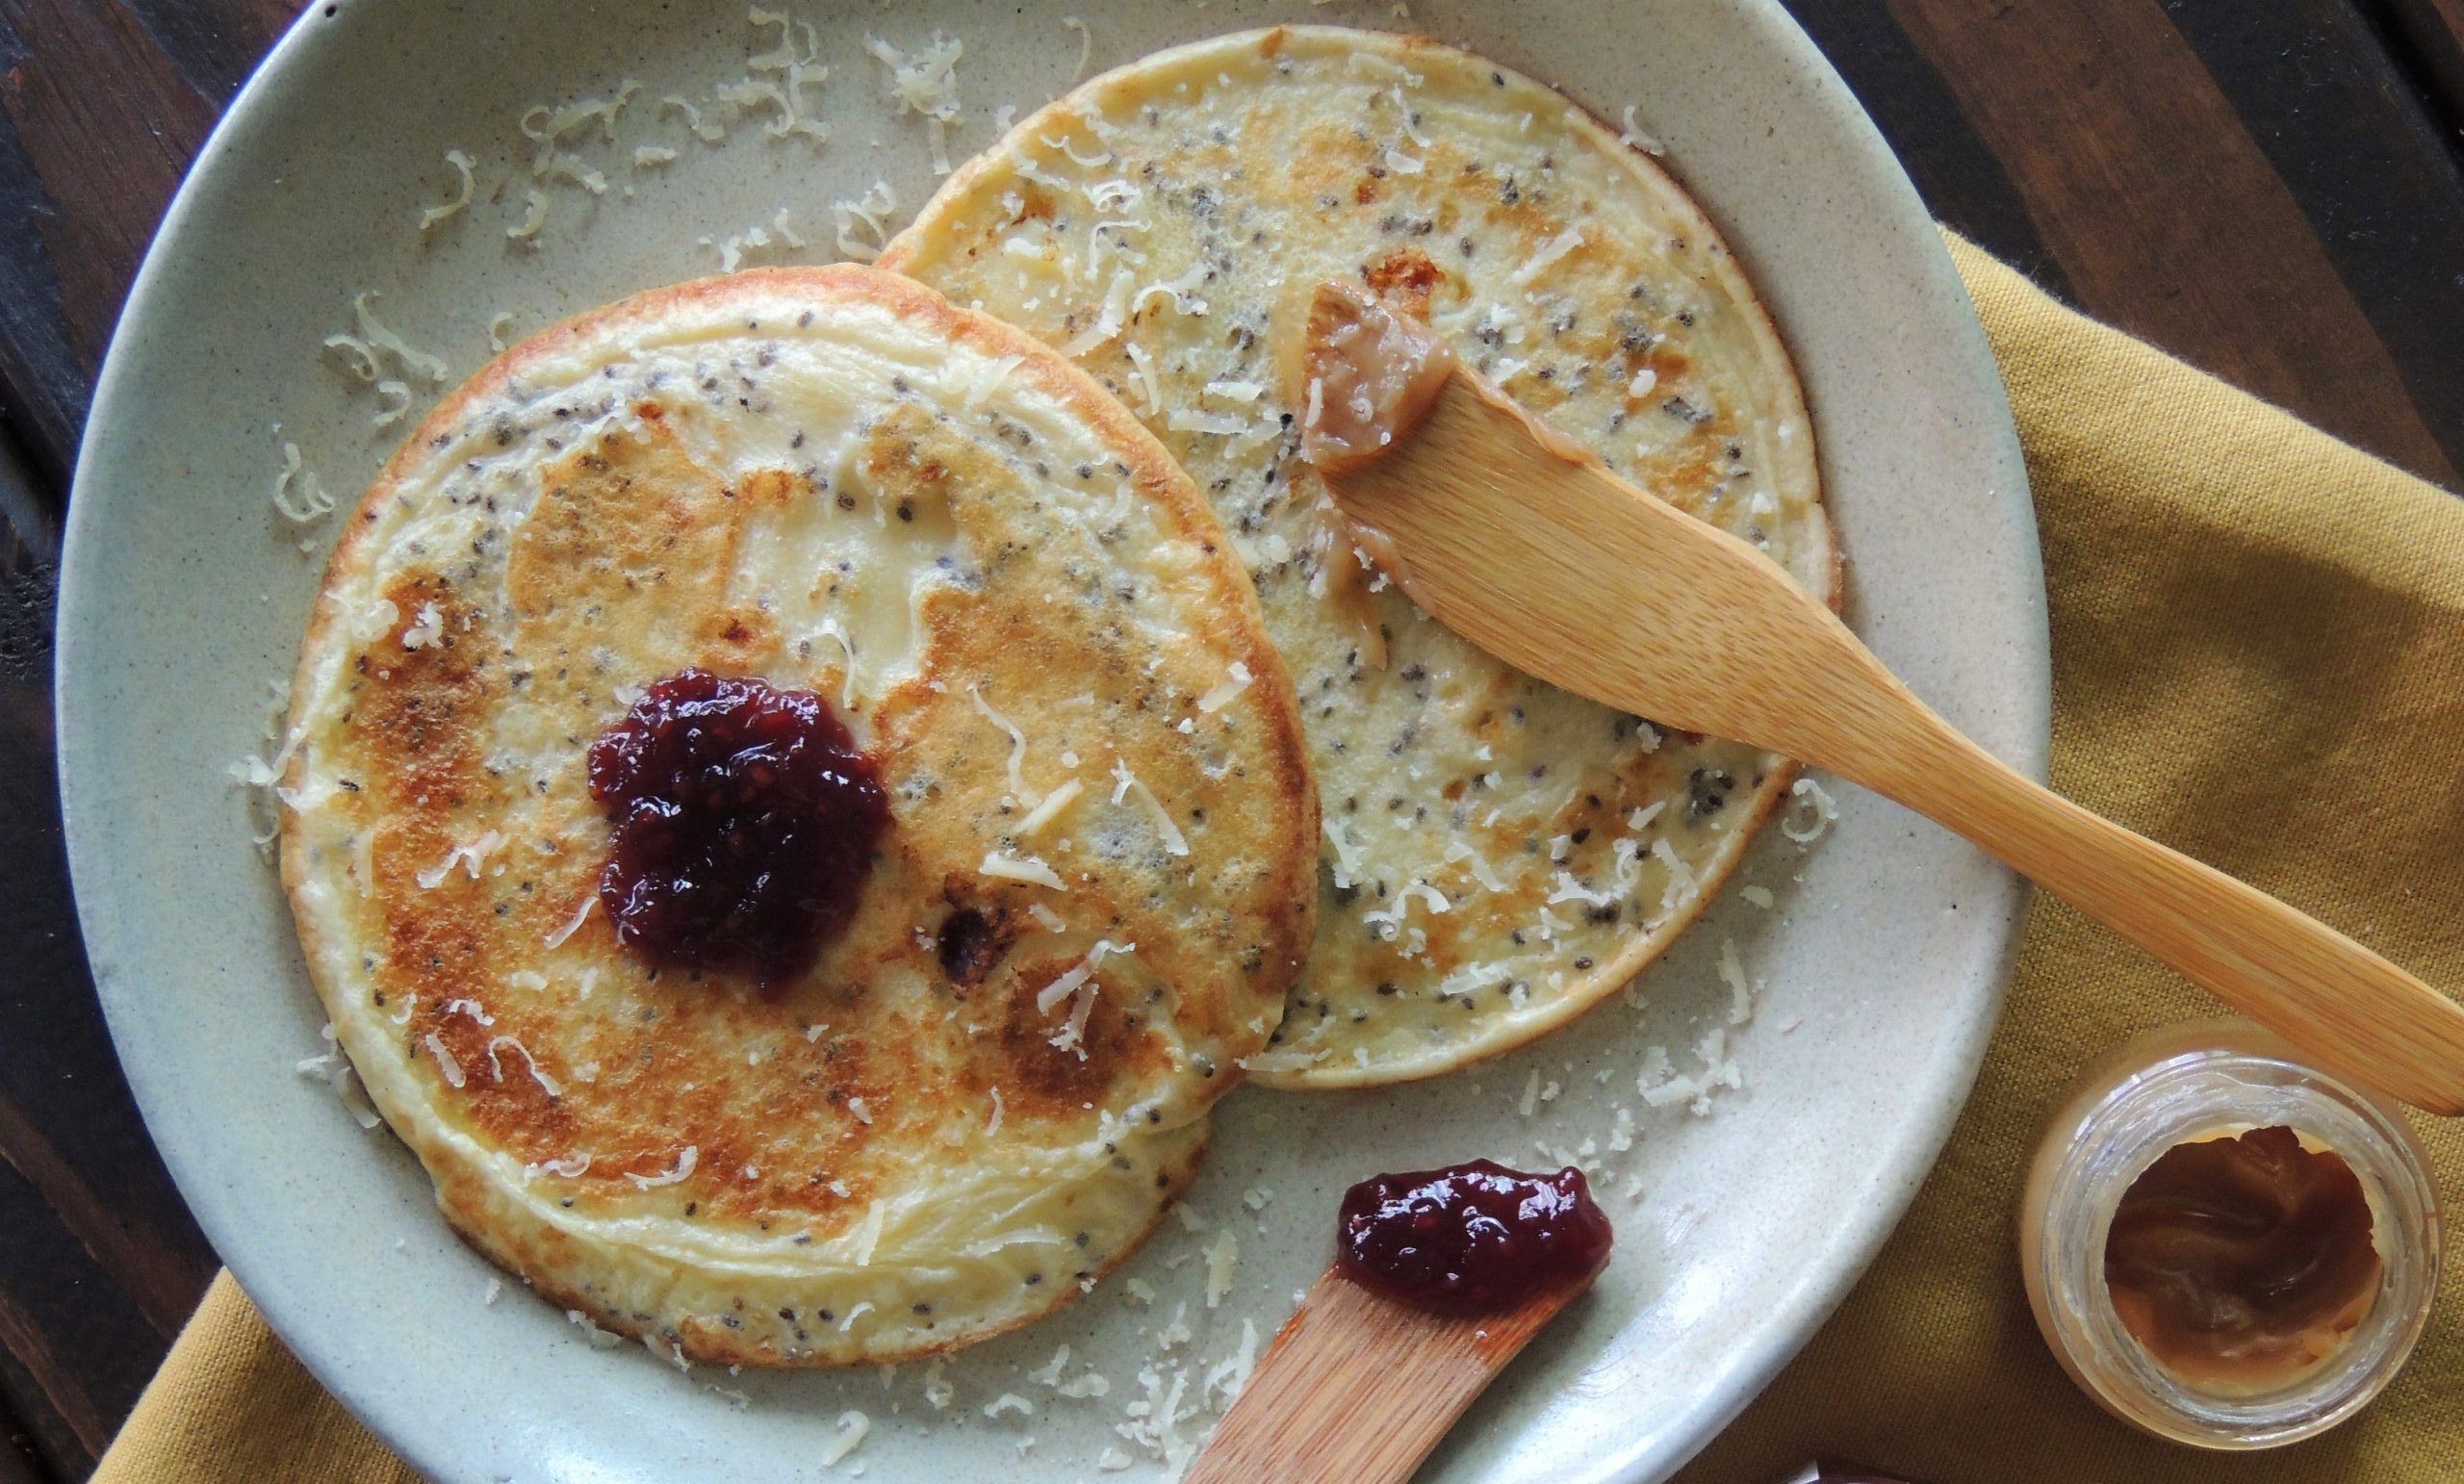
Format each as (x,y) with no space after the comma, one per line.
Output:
(1880,962)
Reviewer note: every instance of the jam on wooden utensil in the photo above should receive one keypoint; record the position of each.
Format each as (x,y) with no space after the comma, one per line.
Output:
(1471,1239)
(745,819)
(2240,1261)
(1439,1279)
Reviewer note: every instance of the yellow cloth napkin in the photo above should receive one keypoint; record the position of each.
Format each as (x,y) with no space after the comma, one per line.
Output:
(2258,643)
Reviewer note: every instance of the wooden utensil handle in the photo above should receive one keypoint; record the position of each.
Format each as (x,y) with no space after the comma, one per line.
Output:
(2357,1013)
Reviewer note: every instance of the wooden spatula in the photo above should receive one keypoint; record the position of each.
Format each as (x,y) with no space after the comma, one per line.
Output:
(1358,1388)
(1531,549)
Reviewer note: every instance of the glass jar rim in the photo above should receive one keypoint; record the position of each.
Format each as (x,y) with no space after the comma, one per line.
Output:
(2232,1078)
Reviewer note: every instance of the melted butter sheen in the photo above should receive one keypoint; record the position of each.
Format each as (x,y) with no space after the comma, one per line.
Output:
(2241,1262)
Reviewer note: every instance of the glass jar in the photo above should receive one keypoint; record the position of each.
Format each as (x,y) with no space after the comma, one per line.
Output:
(2208,1080)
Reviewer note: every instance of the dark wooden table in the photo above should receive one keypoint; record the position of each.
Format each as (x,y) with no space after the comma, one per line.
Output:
(2272,189)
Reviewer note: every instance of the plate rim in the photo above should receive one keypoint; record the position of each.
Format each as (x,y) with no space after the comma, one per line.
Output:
(84,574)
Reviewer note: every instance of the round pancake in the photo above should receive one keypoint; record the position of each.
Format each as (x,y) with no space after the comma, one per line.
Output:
(833,480)
(1497,854)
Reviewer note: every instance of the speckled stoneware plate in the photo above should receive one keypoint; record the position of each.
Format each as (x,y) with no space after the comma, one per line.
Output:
(1880,962)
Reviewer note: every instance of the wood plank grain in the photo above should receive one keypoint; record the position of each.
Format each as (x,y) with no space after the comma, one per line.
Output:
(78,1353)
(68,1125)
(101,127)
(2432,34)
(2165,215)
(19,1463)
(103,115)
(213,46)
(1961,179)
(2379,184)
(101,1261)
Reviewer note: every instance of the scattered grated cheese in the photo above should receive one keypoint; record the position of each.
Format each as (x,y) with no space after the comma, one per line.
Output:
(1017,747)
(1478,865)
(852,1426)
(1223,1258)
(567,168)
(1732,974)
(869,1238)
(599,1339)
(1021,868)
(1182,420)
(1760,896)
(533,218)
(573,923)
(1128,782)
(649,156)
(1550,252)
(684,1163)
(1053,806)
(1009,1402)
(401,394)
(708,134)
(311,502)
(1222,1384)
(876,203)
(374,336)
(445,1063)
(1110,316)
(1073,1035)
(1569,889)
(1141,368)
(937,1391)
(1177,290)
(1178,1332)
(992,1125)
(461,198)
(1661,1087)
(1637,138)
(1086,48)
(333,1069)
(427,626)
(857,1106)
(1224,692)
(1682,882)
(925,83)
(468,856)
(1818,811)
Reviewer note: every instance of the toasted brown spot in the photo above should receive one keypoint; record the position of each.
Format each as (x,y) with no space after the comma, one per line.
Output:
(1405,279)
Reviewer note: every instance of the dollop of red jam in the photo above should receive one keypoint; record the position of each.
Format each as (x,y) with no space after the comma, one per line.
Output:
(1473,1239)
(745,819)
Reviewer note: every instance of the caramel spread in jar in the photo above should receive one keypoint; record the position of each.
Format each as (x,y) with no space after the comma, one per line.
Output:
(2241,1262)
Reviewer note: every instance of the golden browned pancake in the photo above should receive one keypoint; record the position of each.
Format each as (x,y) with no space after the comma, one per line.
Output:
(1497,854)
(1089,900)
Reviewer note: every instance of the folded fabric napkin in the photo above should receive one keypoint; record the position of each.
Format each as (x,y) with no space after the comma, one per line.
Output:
(2258,657)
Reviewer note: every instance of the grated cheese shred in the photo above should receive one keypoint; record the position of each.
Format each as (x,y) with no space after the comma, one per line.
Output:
(461,196)
(1127,783)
